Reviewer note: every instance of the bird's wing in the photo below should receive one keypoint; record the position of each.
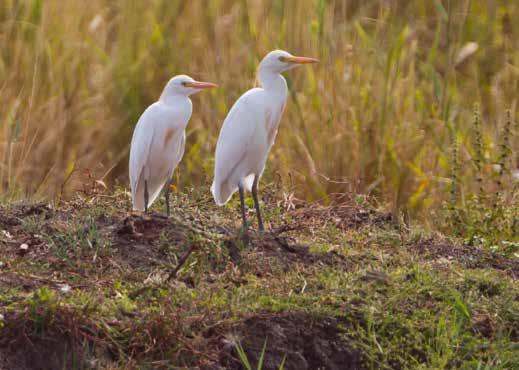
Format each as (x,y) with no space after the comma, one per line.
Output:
(237,130)
(179,154)
(141,144)
(182,147)
(155,125)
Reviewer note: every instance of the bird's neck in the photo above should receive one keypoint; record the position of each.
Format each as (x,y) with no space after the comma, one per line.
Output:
(180,105)
(169,98)
(272,81)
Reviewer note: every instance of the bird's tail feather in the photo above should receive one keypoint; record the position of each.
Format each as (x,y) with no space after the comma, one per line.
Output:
(222,192)
(247,182)
(138,197)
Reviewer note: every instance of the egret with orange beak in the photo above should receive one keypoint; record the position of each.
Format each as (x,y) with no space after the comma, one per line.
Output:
(158,141)
(249,131)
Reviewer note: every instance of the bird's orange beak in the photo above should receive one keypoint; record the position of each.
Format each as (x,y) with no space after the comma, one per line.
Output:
(299,60)
(201,85)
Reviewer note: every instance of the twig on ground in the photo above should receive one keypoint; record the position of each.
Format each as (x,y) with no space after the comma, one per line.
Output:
(286,228)
(181,262)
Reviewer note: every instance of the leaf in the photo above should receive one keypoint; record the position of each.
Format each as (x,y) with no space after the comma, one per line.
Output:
(15,135)
(466,52)
(282,364)
(441,10)
(460,306)
(243,356)
(102,183)
(36,11)
(262,357)
(362,34)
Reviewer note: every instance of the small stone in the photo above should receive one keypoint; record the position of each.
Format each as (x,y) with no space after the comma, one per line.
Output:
(24,247)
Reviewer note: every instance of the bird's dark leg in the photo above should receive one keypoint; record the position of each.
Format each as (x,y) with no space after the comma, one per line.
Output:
(166,198)
(256,202)
(242,203)
(146,196)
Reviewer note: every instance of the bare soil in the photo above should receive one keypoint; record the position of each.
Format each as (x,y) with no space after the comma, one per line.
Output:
(303,341)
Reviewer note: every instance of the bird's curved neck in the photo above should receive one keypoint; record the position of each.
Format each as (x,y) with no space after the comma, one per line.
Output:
(169,98)
(272,81)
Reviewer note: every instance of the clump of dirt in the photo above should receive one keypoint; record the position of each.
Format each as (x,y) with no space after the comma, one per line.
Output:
(49,342)
(471,257)
(40,356)
(138,238)
(35,209)
(483,324)
(263,247)
(7,220)
(345,216)
(307,342)
(13,216)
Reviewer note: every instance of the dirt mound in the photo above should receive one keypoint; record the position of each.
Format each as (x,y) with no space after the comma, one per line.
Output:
(262,248)
(45,340)
(307,342)
(471,257)
(344,216)
(40,356)
(138,239)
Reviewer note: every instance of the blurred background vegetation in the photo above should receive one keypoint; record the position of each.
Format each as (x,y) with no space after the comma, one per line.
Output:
(414,102)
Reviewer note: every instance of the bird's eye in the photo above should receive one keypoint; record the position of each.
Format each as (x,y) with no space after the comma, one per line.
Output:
(183,83)
(282,58)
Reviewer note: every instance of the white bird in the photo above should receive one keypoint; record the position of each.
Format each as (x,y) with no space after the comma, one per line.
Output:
(158,141)
(249,131)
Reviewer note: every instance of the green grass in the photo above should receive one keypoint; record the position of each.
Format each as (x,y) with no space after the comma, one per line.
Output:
(396,298)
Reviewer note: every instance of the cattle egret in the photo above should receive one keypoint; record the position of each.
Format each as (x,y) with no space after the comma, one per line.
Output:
(158,141)
(249,131)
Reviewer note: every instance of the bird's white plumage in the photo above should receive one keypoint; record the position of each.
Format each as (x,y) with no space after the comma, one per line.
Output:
(157,148)
(245,140)
(159,138)
(249,131)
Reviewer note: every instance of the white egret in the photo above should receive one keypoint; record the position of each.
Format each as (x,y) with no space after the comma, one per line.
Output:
(158,141)
(249,131)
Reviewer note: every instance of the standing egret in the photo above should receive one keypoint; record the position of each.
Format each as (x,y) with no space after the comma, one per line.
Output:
(158,141)
(249,131)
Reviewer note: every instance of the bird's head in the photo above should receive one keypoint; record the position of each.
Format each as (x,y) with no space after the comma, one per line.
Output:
(184,85)
(279,61)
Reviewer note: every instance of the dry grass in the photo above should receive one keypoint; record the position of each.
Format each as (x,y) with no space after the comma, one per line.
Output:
(376,116)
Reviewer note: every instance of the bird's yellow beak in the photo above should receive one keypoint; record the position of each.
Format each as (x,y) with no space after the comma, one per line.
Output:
(200,85)
(299,60)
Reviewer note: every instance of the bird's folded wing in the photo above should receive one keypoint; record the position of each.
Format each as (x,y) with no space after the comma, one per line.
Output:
(142,142)
(178,154)
(237,131)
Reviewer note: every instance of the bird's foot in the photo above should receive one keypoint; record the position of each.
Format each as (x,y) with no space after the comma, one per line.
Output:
(141,214)
(160,215)
(134,213)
